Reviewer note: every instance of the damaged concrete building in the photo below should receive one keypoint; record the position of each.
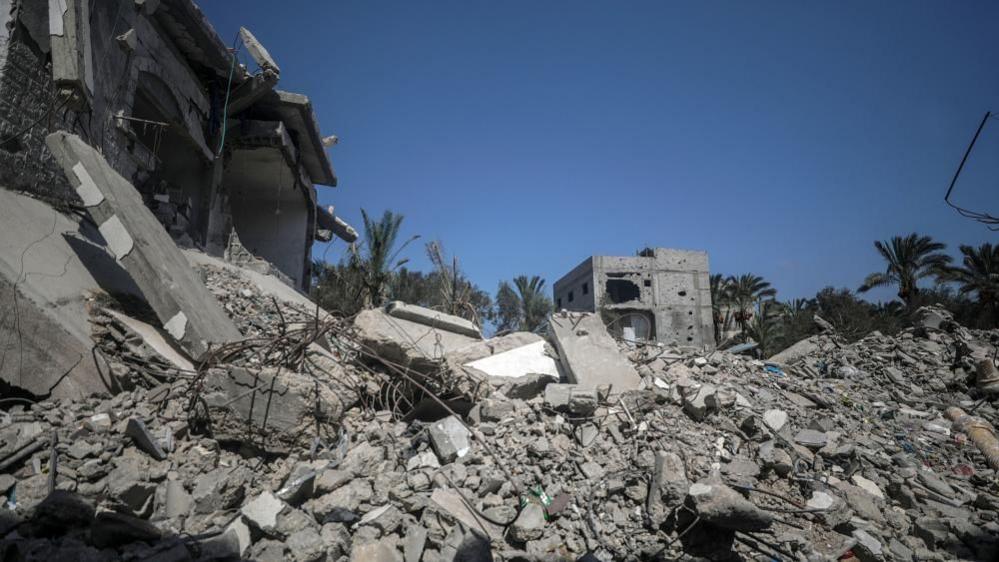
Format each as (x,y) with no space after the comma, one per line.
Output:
(134,145)
(225,161)
(661,294)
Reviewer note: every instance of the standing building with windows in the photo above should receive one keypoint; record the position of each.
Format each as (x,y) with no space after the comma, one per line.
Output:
(661,294)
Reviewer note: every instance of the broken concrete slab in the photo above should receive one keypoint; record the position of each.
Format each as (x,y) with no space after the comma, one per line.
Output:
(189,313)
(262,511)
(433,318)
(275,410)
(492,346)
(402,341)
(530,359)
(518,365)
(154,338)
(589,354)
(803,348)
(50,266)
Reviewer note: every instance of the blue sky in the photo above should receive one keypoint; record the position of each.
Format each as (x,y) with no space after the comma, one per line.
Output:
(781,137)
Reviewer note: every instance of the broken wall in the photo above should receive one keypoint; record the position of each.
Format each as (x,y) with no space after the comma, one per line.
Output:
(27,96)
(113,80)
(271,199)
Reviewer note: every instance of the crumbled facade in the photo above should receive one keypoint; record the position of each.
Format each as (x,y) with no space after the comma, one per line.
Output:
(661,294)
(212,146)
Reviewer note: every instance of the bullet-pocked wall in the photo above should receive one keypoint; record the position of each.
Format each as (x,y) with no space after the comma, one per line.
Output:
(661,293)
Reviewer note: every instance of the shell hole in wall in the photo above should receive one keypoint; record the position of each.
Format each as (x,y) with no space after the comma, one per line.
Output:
(621,291)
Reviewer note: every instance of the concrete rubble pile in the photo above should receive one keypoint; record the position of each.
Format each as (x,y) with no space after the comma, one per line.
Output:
(303,442)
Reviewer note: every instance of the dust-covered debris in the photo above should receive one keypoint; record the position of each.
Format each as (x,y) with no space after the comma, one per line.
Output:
(843,452)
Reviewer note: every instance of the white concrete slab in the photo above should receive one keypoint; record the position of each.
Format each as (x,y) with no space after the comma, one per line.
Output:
(525,360)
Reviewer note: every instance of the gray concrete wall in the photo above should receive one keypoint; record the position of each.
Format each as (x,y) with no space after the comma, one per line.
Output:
(269,210)
(624,282)
(683,297)
(574,282)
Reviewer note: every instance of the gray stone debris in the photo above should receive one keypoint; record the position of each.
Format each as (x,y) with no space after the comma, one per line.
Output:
(138,432)
(811,438)
(451,440)
(720,505)
(262,512)
(530,524)
(433,318)
(571,473)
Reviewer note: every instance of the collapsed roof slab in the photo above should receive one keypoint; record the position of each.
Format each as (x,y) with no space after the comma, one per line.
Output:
(50,269)
(589,354)
(189,313)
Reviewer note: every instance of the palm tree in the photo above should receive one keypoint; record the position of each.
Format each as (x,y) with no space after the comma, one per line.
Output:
(525,309)
(979,274)
(535,305)
(745,291)
(375,265)
(766,327)
(721,310)
(910,259)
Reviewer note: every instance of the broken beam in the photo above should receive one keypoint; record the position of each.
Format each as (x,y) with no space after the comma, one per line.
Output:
(189,313)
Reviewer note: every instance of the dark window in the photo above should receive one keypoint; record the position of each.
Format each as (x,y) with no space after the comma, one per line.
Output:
(586,288)
(622,290)
(570,296)
(648,282)
(560,302)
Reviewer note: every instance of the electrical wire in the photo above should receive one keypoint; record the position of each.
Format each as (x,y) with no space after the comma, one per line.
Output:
(991,222)
(237,44)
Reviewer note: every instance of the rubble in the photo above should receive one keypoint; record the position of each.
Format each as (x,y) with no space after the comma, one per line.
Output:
(302,442)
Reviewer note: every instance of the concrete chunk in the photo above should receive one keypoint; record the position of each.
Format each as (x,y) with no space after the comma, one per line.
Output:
(589,355)
(720,505)
(518,362)
(450,439)
(146,250)
(451,503)
(417,345)
(262,511)
(775,419)
(432,318)
(143,439)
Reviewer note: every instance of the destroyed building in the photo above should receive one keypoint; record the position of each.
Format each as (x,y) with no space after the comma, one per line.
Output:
(219,154)
(128,129)
(661,294)
(165,404)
